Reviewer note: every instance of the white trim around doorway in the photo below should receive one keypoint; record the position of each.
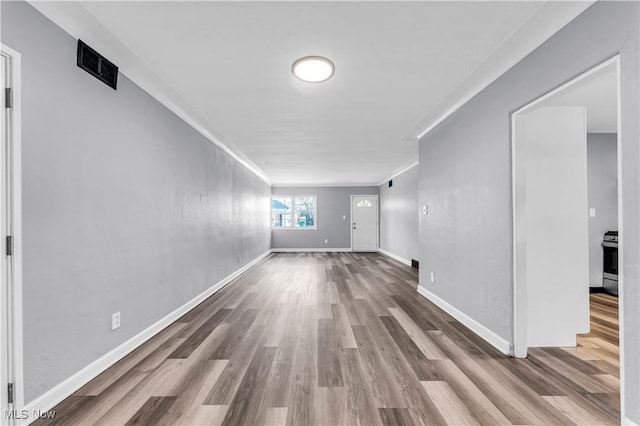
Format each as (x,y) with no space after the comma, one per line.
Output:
(519,294)
(15,61)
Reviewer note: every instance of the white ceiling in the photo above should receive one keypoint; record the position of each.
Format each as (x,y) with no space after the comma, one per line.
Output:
(599,94)
(226,68)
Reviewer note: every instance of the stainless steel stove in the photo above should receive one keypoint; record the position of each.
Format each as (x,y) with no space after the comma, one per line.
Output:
(610,262)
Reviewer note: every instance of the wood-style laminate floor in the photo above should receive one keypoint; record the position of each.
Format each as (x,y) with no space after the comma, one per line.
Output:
(338,338)
(602,342)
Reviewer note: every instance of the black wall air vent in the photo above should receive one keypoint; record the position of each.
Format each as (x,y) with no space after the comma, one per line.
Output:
(390,183)
(97,65)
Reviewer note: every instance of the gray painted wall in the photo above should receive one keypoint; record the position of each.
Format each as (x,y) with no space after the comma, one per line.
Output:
(125,207)
(334,203)
(602,172)
(399,215)
(465,178)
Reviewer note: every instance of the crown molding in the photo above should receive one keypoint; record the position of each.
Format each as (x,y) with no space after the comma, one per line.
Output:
(399,172)
(541,26)
(78,22)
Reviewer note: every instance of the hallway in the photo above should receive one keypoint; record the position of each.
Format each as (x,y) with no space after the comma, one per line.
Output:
(337,338)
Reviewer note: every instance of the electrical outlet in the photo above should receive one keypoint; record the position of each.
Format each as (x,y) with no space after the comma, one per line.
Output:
(592,212)
(239,258)
(425,210)
(115,321)
(433,277)
(326,241)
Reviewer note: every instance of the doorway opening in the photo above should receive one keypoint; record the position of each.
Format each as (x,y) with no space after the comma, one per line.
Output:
(364,223)
(567,218)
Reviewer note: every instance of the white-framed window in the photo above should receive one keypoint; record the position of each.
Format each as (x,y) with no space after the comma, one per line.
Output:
(294,212)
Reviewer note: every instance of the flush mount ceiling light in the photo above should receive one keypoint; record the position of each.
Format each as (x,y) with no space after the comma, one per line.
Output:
(313,69)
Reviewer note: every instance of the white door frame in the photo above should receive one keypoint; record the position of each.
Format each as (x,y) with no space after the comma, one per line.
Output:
(519,236)
(377,219)
(14,196)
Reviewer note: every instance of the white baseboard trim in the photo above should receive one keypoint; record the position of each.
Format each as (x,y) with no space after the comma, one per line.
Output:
(395,257)
(493,339)
(626,421)
(51,398)
(309,250)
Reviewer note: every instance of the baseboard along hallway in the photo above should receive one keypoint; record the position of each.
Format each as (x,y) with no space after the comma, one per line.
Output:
(338,338)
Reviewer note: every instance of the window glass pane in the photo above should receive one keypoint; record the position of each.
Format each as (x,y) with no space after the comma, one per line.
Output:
(281,212)
(364,203)
(305,212)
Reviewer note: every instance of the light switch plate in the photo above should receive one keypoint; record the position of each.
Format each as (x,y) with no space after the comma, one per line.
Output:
(592,212)
(115,321)
(425,210)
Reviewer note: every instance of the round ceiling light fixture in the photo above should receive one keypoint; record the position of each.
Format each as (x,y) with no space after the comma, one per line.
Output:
(313,69)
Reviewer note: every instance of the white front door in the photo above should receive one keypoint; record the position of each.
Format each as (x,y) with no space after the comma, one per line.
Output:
(364,223)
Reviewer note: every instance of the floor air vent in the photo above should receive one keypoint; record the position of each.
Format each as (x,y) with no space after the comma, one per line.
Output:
(97,65)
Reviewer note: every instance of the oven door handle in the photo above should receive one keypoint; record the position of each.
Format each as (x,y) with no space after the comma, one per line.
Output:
(609,244)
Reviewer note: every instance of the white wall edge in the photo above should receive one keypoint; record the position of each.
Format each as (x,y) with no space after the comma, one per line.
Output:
(16,187)
(395,257)
(489,336)
(398,173)
(310,250)
(57,394)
